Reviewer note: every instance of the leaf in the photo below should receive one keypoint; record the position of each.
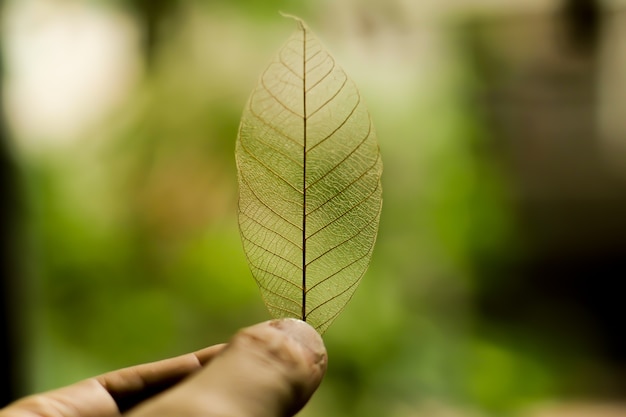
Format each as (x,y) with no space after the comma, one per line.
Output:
(309,183)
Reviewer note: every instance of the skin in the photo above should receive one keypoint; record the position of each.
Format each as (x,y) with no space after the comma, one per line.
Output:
(267,370)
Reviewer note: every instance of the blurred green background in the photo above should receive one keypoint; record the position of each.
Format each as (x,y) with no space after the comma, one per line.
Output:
(494,285)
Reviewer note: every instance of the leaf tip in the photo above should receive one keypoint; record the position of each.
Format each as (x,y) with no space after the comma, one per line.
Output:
(299,21)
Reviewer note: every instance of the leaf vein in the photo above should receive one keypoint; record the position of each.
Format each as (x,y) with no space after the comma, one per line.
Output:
(368,253)
(264,249)
(340,163)
(352,285)
(270,305)
(274,128)
(274,293)
(342,124)
(345,80)
(319,64)
(338,245)
(280,102)
(291,70)
(264,204)
(318,82)
(282,279)
(345,213)
(276,174)
(350,184)
(330,319)
(271,230)
(279,151)
(313,56)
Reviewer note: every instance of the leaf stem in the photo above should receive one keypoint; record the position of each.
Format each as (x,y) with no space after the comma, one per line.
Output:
(304,173)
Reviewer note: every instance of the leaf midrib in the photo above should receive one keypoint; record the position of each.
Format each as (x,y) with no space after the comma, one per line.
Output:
(304,152)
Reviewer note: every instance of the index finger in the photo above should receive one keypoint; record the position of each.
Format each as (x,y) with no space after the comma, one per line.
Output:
(111,394)
(130,386)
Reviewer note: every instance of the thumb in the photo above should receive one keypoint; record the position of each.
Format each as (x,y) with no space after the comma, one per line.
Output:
(267,370)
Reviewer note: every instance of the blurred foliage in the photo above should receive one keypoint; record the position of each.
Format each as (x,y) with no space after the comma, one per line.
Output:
(134,251)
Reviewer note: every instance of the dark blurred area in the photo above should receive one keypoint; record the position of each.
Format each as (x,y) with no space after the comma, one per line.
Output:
(494,288)
(9,339)
(7,353)
(541,106)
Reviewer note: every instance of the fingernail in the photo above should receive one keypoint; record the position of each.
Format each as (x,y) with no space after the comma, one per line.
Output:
(305,335)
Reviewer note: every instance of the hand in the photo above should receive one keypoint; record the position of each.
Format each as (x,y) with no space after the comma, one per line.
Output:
(267,370)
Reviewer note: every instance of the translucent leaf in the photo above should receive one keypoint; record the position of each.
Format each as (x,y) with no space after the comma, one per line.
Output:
(309,183)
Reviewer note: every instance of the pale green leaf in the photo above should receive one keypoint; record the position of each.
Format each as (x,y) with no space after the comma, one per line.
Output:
(309,183)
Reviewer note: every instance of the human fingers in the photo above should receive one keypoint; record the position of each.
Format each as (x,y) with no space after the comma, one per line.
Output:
(130,386)
(83,399)
(111,394)
(267,370)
